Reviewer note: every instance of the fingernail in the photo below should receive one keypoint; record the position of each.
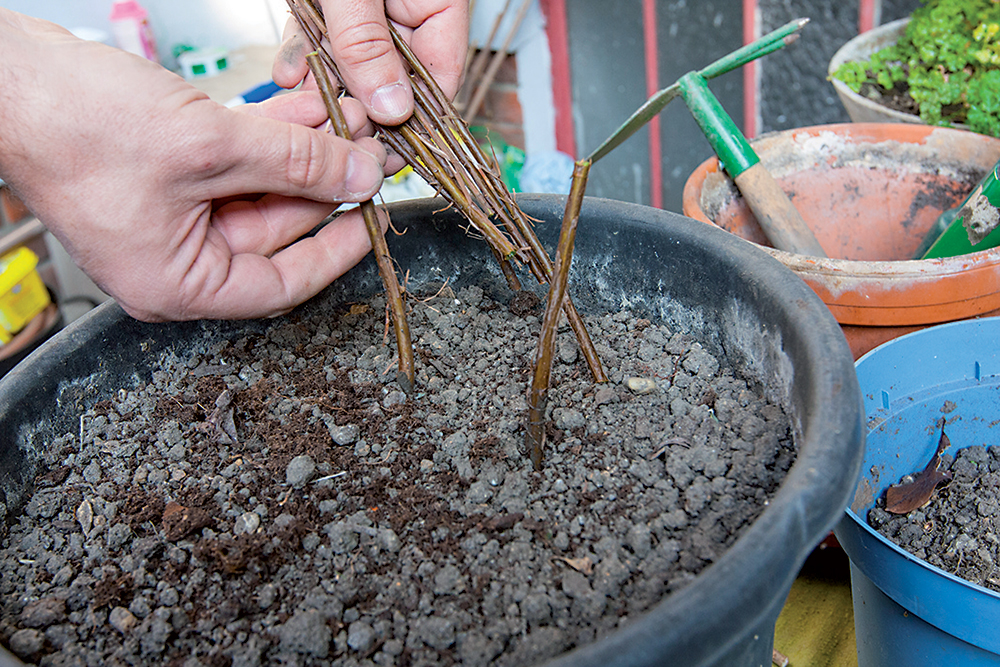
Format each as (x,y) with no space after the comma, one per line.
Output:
(364,175)
(392,100)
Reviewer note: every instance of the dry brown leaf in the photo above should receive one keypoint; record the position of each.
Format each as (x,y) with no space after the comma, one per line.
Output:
(904,498)
(180,521)
(583,565)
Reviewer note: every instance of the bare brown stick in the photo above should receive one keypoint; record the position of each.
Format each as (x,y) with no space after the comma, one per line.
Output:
(508,272)
(437,143)
(512,215)
(397,144)
(461,199)
(405,149)
(312,11)
(538,394)
(473,172)
(405,375)
(316,15)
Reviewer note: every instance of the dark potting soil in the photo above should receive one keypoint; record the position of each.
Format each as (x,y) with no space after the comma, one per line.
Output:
(897,99)
(277,500)
(958,530)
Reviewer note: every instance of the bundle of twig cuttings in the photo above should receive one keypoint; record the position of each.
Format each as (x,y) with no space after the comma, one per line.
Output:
(435,141)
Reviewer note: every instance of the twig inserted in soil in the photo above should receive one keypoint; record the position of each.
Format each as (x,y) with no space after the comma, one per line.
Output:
(435,141)
(405,374)
(537,396)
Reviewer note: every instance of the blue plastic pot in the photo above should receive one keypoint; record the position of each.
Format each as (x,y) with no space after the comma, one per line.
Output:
(906,611)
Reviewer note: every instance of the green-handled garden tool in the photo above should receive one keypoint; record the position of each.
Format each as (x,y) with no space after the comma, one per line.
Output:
(777,216)
(780,221)
(972,226)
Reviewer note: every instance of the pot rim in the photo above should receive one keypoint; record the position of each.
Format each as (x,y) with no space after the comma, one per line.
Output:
(854,289)
(807,504)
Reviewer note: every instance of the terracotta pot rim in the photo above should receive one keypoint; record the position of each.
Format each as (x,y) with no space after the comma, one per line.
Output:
(931,269)
(888,269)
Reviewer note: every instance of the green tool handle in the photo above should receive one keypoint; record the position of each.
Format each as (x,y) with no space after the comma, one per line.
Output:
(777,216)
(727,141)
(958,239)
(769,43)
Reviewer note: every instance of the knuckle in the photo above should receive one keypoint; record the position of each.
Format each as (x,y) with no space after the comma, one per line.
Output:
(362,43)
(305,166)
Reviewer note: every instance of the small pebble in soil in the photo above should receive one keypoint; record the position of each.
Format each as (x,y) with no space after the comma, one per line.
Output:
(299,471)
(277,500)
(641,385)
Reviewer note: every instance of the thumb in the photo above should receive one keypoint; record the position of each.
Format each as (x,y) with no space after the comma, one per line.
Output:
(266,155)
(373,72)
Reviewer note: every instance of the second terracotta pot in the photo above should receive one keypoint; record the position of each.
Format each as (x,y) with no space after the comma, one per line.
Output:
(870,193)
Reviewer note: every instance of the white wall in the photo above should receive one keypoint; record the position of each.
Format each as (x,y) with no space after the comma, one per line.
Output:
(534,65)
(232,24)
(199,23)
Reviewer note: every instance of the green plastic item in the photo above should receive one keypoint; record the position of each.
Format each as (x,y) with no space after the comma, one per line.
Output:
(769,43)
(975,224)
(510,159)
(727,141)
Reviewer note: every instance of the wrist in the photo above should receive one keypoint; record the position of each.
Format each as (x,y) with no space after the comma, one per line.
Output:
(26,47)
(17,53)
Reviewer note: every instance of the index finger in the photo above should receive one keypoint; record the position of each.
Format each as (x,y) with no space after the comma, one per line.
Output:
(371,67)
(438,35)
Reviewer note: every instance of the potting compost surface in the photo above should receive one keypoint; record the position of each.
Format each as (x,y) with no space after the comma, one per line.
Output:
(892,98)
(277,500)
(958,530)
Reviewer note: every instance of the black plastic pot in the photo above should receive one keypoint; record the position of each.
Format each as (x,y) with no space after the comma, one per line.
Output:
(738,299)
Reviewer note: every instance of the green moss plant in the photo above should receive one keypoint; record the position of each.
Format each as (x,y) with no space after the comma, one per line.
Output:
(946,65)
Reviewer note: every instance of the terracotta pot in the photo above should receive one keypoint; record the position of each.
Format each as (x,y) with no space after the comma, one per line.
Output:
(870,193)
(860,108)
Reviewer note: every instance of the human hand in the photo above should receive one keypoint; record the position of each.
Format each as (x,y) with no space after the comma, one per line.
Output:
(174,205)
(360,43)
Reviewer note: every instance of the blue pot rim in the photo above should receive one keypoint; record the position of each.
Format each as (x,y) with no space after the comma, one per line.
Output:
(953,604)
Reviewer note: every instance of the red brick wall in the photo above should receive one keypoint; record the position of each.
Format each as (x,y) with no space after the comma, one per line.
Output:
(500,112)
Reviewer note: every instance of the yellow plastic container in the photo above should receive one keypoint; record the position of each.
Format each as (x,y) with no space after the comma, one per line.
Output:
(22,293)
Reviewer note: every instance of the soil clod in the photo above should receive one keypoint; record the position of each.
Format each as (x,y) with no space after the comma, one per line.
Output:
(340,526)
